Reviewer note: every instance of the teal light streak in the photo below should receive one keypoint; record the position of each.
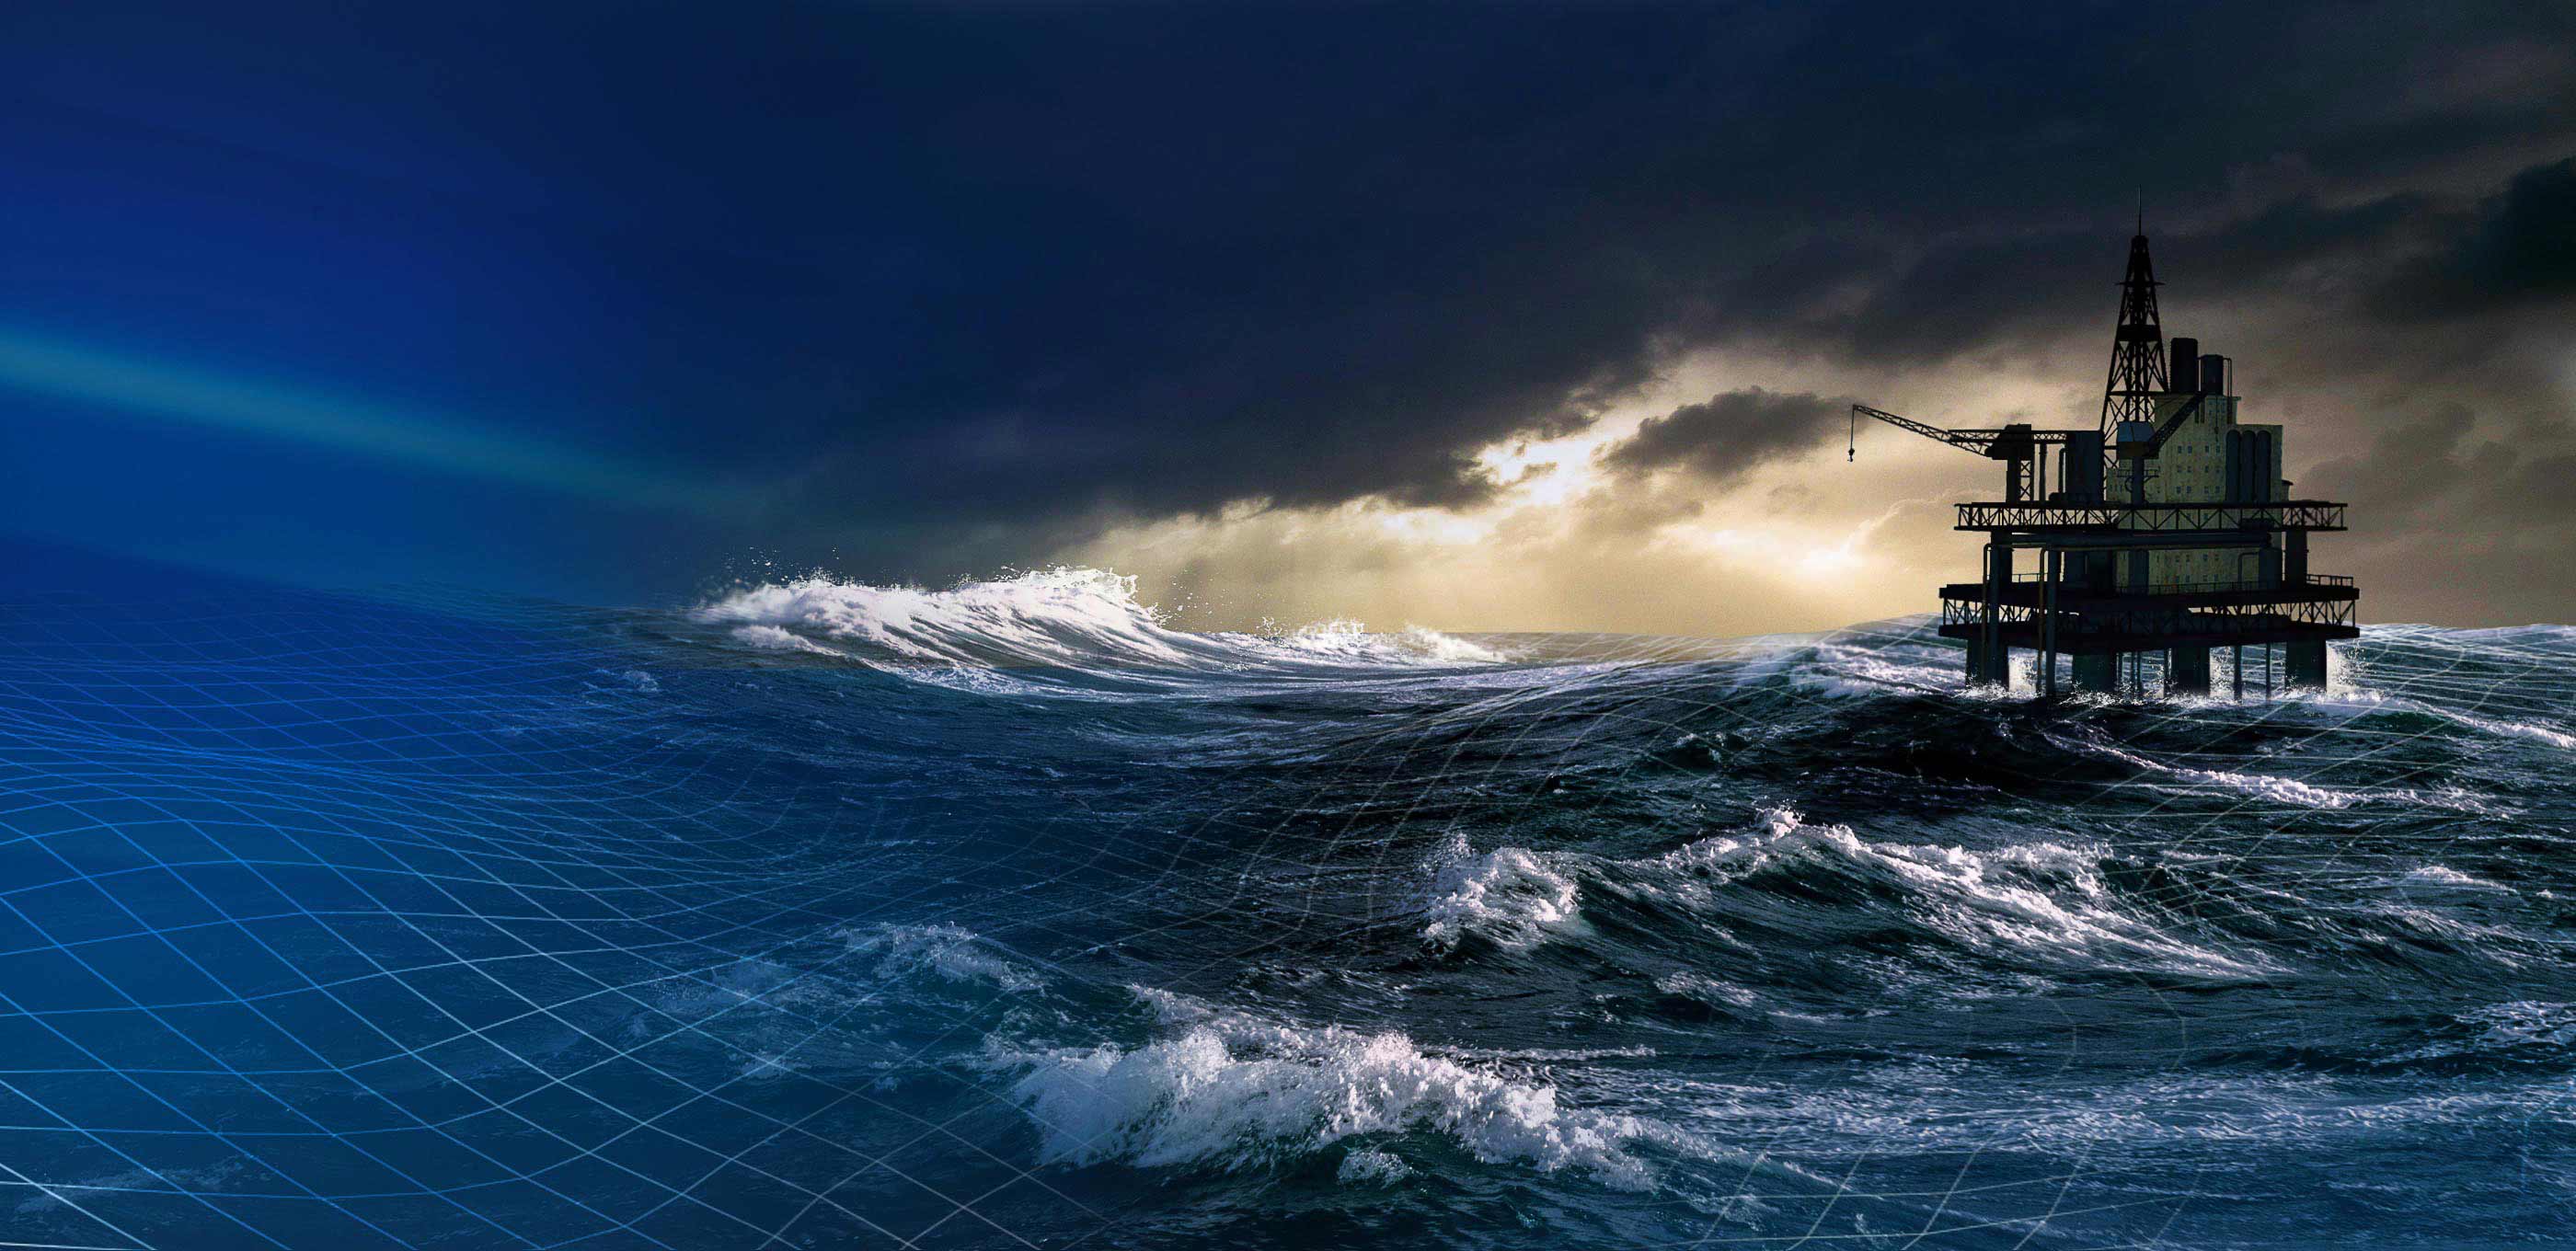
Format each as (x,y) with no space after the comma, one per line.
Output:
(410,437)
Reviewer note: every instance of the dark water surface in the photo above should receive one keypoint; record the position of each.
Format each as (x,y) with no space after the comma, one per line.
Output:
(826,916)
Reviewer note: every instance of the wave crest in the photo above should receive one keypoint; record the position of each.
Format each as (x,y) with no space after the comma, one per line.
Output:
(1232,1094)
(948,952)
(2034,898)
(1509,896)
(1064,617)
(2044,900)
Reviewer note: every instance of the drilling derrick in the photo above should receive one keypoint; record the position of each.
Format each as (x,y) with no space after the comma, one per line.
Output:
(2169,532)
(2138,373)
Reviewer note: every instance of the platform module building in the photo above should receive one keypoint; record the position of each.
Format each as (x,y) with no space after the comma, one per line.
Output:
(2167,531)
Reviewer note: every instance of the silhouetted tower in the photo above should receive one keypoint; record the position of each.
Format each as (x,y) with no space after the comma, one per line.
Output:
(2137,347)
(2197,545)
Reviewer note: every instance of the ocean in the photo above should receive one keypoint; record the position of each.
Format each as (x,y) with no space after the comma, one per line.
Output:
(811,914)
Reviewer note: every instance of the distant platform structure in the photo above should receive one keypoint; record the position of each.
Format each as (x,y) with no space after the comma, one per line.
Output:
(2169,529)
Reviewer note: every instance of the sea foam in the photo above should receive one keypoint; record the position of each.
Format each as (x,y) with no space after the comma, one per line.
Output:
(1510,896)
(2040,898)
(1049,618)
(1232,1093)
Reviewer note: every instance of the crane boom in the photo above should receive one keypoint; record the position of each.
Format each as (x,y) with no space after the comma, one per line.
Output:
(1981,441)
(1984,441)
(1902,423)
(2017,445)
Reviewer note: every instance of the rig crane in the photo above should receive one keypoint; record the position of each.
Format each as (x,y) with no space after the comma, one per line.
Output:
(2018,444)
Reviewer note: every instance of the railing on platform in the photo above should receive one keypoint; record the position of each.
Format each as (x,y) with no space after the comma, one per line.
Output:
(2205,618)
(2070,587)
(2152,518)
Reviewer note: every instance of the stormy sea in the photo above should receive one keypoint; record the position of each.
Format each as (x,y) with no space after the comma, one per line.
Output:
(810,914)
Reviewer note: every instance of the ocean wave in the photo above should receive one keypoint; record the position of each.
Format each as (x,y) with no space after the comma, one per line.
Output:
(2444,877)
(1371,1167)
(2139,1118)
(2500,728)
(2043,898)
(2264,786)
(1858,671)
(2408,929)
(948,952)
(2521,1029)
(1714,992)
(1352,642)
(1231,1092)
(2292,792)
(743,989)
(1070,618)
(1509,896)
(2523,1023)
(774,639)
(1782,907)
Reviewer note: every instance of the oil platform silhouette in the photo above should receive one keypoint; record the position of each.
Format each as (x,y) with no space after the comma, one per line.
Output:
(2169,529)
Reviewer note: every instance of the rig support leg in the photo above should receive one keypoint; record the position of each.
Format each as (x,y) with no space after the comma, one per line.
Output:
(1989,661)
(2236,664)
(2051,567)
(1989,665)
(2187,671)
(2098,672)
(2306,665)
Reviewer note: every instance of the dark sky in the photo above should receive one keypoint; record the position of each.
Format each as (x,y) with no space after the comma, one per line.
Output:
(604,302)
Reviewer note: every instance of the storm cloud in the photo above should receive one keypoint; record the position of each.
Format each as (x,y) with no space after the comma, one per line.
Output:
(931,290)
(1729,434)
(2518,248)
(1383,243)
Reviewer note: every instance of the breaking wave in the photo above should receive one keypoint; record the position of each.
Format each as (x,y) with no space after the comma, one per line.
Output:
(1509,896)
(2038,899)
(1063,618)
(1233,1092)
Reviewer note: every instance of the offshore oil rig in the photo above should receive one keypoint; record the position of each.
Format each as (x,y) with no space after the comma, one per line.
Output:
(2169,530)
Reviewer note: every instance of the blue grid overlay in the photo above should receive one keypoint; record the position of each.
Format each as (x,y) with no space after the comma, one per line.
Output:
(440,922)
(351,924)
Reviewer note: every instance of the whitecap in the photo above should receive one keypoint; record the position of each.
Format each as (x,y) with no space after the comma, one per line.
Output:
(1511,896)
(2437,875)
(772,638)
(1234,1093)
(1707,990)
(2041,897)
(1064,617)
(948,952)
(2260,785)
